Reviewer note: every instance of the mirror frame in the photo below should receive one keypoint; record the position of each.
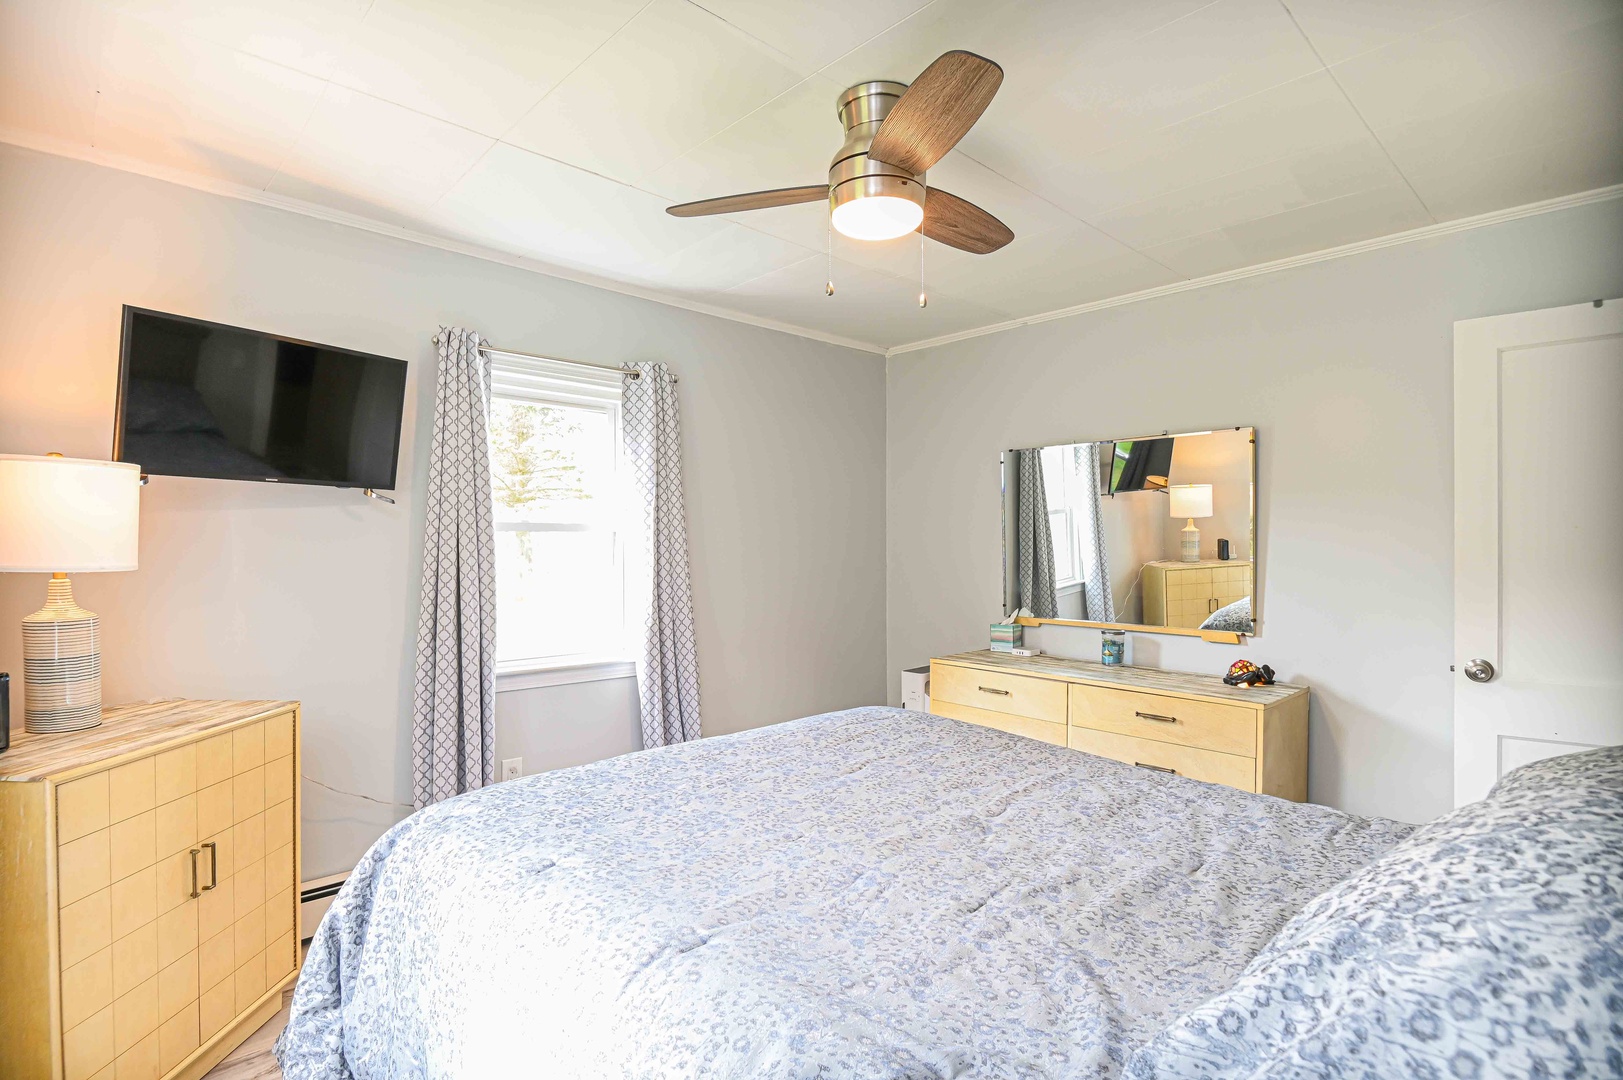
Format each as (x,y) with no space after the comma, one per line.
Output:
(1222,637)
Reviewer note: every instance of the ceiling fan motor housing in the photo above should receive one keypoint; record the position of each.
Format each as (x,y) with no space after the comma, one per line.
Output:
(853,174)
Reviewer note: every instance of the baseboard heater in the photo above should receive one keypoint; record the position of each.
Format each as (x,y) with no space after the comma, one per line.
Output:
(315,897)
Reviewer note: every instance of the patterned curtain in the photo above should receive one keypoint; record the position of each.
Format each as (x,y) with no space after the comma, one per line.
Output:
(668,676)
(453,736)
(1033,538)
(1096,594)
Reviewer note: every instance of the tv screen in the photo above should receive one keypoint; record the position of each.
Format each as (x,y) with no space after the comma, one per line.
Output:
(1141,465)
(197,398)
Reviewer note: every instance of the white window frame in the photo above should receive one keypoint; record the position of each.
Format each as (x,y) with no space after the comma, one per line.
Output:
(559,382)
(1067,525)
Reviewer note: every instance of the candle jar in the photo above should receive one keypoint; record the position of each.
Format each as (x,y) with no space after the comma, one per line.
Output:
(1113,648)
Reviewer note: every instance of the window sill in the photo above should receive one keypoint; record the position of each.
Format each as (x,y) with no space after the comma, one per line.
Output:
(563,671)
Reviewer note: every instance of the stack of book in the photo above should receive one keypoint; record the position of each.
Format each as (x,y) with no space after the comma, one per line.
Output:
(1007,637)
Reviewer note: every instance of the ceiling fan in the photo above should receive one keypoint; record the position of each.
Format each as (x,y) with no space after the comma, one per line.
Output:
(894,133)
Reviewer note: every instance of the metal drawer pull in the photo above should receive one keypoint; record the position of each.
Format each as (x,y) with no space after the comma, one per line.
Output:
(993,690)
(195,893)
(1157,768)
(214,867)
(1158,719)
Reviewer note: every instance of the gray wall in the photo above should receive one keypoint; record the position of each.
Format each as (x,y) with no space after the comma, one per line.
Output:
(559,726)
(255,590)
(1345,367)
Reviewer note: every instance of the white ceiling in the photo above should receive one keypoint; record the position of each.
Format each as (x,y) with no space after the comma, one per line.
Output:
(1134,144)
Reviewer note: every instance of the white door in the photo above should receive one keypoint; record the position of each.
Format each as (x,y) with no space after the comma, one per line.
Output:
(1538,539)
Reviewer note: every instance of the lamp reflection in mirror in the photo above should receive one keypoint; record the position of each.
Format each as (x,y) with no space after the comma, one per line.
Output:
(58,516)
(1191,501)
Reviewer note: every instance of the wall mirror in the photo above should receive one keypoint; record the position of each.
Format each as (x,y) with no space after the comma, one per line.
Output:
(1155,533)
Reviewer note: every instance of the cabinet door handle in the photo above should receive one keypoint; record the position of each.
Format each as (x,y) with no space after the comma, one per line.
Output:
(1211,605)
(993,690)
(1157,768)
(1155,717)
(214,867)
(196,892)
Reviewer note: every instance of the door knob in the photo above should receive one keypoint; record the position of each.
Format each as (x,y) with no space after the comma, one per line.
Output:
(1479,671)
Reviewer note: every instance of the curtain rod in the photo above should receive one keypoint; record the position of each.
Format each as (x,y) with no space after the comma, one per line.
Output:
(627,368)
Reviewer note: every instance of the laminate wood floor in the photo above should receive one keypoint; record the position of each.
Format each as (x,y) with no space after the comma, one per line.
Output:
(253,1059)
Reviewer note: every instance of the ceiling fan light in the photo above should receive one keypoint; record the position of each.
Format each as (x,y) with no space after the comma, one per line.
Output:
(878,217)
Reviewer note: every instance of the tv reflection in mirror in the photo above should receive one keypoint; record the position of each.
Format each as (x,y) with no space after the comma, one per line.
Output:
(1140,465)
(206,400)
(1125,532)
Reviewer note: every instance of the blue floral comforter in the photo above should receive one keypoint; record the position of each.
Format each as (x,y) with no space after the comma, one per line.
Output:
(1488,944)
(870,893)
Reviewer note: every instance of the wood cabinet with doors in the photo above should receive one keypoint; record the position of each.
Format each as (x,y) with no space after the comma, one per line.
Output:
(148,889)
(1186,594)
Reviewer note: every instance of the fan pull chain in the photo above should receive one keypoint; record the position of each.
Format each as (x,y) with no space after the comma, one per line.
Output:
(828,289)
(924,301)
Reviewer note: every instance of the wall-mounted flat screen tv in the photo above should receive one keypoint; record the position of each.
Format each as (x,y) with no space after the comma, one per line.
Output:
(198,398)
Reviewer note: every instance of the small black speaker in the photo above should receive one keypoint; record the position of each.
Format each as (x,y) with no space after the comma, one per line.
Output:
(1223,550)
(5,712)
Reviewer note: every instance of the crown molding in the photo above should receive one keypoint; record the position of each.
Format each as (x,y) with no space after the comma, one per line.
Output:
(44,144)
(1425,232)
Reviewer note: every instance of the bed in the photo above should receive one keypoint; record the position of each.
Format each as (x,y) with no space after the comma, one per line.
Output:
(870,893)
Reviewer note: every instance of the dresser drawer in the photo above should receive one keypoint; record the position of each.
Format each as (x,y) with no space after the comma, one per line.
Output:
(999,692)
(1208,725)
(1041,730)
(1197,764)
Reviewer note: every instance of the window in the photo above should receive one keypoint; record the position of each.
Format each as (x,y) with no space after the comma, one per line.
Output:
(1068,487)
(1057,485)
(555,475)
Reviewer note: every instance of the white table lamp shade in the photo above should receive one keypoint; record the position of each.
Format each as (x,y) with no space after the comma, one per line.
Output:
(68,515)
(59,516)
(1191,500)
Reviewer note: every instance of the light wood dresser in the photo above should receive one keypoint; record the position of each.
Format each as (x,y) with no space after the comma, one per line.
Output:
(1193,725)
(1187,593)
(148,889)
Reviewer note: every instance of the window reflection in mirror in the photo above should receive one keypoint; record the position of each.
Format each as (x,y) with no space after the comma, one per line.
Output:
(1157,532)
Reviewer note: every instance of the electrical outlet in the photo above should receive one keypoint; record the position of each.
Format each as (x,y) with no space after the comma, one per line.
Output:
(512,768)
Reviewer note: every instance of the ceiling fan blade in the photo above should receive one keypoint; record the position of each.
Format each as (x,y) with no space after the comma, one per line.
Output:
(937,110)
(750,200)
(961,224)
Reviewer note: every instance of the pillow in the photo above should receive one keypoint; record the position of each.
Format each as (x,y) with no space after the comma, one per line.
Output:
(1487,944)
(1235,616)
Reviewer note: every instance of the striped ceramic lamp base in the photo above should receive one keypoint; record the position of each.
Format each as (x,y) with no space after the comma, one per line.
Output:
(1189,549)
(61,663)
